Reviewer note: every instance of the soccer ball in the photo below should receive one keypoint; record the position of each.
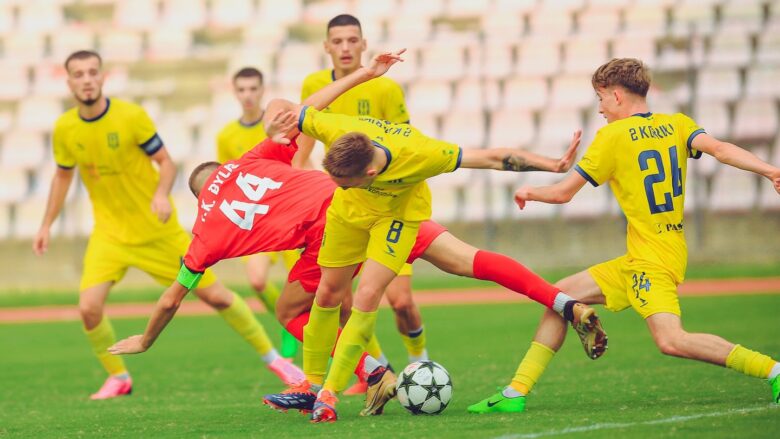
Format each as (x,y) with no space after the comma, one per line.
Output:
(424,387)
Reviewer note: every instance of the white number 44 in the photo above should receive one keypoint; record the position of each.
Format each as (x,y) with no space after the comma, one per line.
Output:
(254,188)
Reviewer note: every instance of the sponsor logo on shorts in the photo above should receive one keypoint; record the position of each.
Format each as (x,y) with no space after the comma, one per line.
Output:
(390,251)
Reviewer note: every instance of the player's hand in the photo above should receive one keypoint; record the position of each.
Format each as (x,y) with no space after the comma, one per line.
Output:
(382,62)
(41,241)
(161,207)
(521,196)
(280,125)
(565,162)
(130,345)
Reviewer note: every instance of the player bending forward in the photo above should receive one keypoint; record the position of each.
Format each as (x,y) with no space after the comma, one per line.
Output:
(260,203)
(643,156)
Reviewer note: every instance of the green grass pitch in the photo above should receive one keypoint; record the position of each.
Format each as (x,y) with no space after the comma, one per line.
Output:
(200,380)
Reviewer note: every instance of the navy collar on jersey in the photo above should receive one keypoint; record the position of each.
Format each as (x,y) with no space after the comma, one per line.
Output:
(251,124)
(645,115)
(387,153)
(96,118)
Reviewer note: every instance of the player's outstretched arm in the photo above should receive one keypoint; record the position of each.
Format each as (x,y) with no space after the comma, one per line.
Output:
(60,183)
(558,193)
(733,155)
(517,160)
(163,313)
(161,205)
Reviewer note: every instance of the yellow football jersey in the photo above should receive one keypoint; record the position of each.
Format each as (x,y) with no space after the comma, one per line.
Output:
(381,98)
(112,153)
(236,138)
(644,159)
(399,190)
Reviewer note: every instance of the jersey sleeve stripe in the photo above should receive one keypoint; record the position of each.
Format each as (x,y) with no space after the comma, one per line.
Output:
(152,145)
(460,157)
(691,153)
(585,175)
(65,167)
(301,117)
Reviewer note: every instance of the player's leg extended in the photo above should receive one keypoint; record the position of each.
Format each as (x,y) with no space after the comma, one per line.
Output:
(454,256)
(240,317)
(290,343)
(257,267)
(548,339)
(407,315)
(672,339)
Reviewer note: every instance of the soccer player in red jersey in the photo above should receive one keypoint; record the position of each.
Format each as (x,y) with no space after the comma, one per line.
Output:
(260,203)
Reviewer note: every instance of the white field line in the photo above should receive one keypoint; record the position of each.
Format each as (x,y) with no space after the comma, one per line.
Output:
(613,425)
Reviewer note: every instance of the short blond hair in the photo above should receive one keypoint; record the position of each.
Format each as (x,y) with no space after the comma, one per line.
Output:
(349,156)
(629,73)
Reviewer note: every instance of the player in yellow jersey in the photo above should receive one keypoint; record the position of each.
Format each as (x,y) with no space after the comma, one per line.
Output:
(383,99)
(236,138)
(373,219)
(115,144)
(643,156)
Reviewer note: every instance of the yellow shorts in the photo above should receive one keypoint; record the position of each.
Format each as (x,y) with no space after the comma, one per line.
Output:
(107,260)
(385,240)
(647,289)
(406,270)
(289,257)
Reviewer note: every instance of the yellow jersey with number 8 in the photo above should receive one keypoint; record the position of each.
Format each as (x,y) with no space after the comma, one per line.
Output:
(644,160)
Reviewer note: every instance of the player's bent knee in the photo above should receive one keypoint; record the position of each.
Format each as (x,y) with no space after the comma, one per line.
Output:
(669,346)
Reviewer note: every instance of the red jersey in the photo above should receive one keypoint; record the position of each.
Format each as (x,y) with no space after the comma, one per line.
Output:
(258,203)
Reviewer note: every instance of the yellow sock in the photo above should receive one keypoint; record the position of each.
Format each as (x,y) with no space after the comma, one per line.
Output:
(319,336)
(415,346)
(373,347)
(101,337)
(269,296)
(749,362)
(240,317)
(531,368)
(349,349)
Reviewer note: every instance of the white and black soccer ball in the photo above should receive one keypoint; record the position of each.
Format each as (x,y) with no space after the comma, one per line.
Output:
(424,387)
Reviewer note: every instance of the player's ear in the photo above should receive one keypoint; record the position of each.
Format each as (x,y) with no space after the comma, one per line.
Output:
(371,172)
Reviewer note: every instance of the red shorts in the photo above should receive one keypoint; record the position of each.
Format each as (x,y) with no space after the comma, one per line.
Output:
(308,272)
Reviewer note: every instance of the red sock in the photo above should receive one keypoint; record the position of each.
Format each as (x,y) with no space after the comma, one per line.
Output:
(295,327)
(511,274)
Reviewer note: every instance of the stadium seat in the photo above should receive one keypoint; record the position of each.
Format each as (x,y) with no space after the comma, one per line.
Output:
(230,14)
(262,58)
(502,7)
(550,23)
(429,97)
(719,85)
(22,149)
(584,55)
(555,130)
(24,47)
(734,190)
(39,16)
(263,35)
(373,11)
(279,13)
(183,14)
(186,208)
(464,128)
(427,9)
(466,8)
(41,183)
(762,81)
(713,117)
(136,15)
(120,46)
(572,92)
(117,81)
(38,113)
(755,120)
(598,21)
(589,202)
(14,184)
(6,120)
(511,129)
(321,12)
(428,124)
(14,83)
(410,31)
(502,189)
(525,93)
(442,61)
(696,16)
(496,59)
(27,218)
(744,16)
(296,61)
(661,102)
(595,122)
(539,57)
(502,27)
(177,137)
(70,39)
(628,46)
(535,210)
(729,50)
(169,44)
(444,199)
(469,95)
(7,21)
(646,20)
(768,48)
(50,80)
(79,217)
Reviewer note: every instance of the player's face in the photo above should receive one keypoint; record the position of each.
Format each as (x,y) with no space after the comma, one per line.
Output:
(345,45)
(608,103)
(85,79)
(249,92)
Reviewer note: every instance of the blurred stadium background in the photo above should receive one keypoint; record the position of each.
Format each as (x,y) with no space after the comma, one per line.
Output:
(478,73)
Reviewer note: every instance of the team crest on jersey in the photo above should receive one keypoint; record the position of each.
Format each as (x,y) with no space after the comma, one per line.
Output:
(113,140)
(364,107)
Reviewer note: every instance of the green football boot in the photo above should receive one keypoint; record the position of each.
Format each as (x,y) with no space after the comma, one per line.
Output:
(499,403)
(775,383)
